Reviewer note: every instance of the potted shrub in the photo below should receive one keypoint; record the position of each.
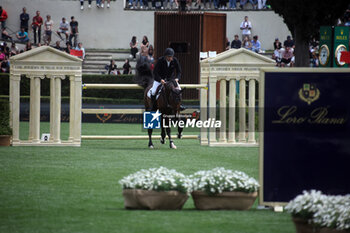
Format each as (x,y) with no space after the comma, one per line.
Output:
(5,130)
(155,189)
(313,211)
(220,188)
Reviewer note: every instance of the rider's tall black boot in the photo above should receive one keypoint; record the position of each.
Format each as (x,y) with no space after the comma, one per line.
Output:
(154,102)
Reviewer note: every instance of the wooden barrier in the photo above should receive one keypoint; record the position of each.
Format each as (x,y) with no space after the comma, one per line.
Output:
(131,111)
(132,137)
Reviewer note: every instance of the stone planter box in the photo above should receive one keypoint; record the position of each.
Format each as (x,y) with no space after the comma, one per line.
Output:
(302,226)
(153,200)
(224,201)
(330,230)
(5,140)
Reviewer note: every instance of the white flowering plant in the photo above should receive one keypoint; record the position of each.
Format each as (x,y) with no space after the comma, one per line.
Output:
(157,179)
(322,210)
(220,180)
(305,205)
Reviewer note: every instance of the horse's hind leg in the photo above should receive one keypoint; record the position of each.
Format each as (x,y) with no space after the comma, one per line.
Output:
(179,129)
(171,143)
(179,132)
(150,144)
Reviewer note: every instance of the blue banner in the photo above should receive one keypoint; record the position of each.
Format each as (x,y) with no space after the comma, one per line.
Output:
(306,141)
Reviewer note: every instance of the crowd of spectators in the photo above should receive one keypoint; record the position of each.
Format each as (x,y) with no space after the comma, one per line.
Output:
(196,4)
(283,55)
(70,32)
(145,50)
(99,4)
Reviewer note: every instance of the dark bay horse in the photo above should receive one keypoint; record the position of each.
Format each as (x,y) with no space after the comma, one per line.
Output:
(168,102)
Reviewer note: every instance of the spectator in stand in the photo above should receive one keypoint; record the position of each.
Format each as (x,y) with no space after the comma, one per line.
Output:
(182,4)
(314,60)
(73,31)
(145,41)
(7,51)
(150,54)
(36,25)
(256,45)
(261,4)
(101,3)
(144,48)
(2,53)
(82,4)
(63,29)
(133,4)
(246,27)
(24,17)
(14,50)
(112,68)
(199,2)
(145,3)
(289,42)
(277,45)
(287,57)
(3,17)
(22,36)
(48,29)
(5,65)
(243,2)
(347,17)
(232,4)
(167,4)
(5,35)
(314,44)
(126,67)
(227,44)
(236,43)
(68,47)
(58,46)
(246,43)
(133,47)
(29,46)
(222,4)
(80,48)
(108,3)
(3,47)
(38,45)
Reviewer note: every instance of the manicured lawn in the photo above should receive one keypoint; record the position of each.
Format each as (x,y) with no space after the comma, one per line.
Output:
(55,189)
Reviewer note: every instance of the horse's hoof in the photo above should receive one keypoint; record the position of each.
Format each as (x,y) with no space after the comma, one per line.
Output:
(162,140)
(179,135)
(172,145)
(151,147)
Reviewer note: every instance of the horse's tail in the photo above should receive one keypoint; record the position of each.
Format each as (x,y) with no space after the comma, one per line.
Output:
(143,75)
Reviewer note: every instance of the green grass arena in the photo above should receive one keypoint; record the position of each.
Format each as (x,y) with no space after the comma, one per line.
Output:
(75,189)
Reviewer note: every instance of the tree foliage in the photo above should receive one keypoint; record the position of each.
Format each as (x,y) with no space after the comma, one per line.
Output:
(304,18)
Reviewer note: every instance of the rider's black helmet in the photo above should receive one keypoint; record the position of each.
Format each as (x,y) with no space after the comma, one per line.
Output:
(169,52)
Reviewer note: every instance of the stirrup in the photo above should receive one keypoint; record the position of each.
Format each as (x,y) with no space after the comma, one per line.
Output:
(182,107)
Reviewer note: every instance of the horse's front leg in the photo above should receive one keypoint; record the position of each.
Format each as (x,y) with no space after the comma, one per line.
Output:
(162,139)
(179,129)
(150,144)
(171,142)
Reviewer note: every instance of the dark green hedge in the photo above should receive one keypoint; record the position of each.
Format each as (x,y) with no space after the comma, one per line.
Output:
(98,93)
(5,117)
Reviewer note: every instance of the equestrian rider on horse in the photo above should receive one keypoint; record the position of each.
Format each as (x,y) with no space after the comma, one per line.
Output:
(166,69)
